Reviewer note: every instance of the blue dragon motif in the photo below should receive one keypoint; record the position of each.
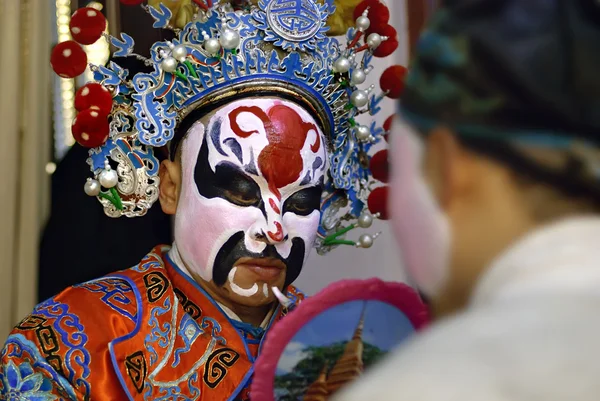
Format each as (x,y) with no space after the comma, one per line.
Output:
(158,335)
(73,336)
(189,331)
(116,294)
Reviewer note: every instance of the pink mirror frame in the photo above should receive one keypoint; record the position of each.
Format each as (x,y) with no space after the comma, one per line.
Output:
(399,295)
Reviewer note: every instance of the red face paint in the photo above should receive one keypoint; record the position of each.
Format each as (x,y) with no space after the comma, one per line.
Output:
(274,206)
(280,162)
(276,236)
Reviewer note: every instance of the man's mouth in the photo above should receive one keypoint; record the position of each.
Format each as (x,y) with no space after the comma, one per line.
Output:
(265,268)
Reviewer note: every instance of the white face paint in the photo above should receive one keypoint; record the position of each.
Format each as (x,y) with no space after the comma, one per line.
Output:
(245,292)
(421,227)
(250,182)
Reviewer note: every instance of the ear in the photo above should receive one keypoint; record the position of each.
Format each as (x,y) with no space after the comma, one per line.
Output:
(447,166)
(170,184)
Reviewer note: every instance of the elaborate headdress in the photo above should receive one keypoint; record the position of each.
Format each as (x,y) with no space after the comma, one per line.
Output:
(228,50)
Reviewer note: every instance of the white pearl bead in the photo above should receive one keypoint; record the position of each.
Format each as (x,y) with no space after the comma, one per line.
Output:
(374,40)
(169,64)
(212,46)
(359,98)
(365,241)
(109,178)
(180,52)
(229,39)
(358,77)
(365,220)
(363,133)
(363,23)
(341,65)
(92,187)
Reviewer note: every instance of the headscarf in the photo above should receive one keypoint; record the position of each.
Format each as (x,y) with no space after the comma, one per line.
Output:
(509,69)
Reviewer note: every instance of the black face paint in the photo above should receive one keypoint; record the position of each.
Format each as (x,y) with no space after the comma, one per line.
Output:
(227,182)
(235,248)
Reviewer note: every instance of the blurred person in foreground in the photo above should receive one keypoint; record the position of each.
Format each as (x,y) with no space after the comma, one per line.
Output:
(499,219)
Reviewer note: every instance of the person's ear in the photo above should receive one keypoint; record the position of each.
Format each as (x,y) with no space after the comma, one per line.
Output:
(170,184)
(447,166)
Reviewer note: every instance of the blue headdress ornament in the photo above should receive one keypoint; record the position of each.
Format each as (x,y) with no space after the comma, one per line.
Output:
(279,46)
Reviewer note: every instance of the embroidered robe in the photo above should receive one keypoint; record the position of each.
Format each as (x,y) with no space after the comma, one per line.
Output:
(146,333)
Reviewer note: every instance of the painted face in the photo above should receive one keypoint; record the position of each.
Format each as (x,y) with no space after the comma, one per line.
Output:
(252,176)
(421,227)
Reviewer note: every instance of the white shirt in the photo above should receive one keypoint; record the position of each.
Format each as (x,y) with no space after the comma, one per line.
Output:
(531,332)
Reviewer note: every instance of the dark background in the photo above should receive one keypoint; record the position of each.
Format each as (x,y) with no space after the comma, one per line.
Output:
(80,242)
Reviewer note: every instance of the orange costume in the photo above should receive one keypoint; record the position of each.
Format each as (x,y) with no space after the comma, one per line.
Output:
(146,333)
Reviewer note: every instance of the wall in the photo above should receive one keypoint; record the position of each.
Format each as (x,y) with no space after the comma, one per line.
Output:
(383,259)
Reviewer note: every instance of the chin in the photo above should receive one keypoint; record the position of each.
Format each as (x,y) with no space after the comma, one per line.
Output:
(257,300)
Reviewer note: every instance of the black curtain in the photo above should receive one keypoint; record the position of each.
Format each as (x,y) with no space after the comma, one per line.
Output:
(80,242)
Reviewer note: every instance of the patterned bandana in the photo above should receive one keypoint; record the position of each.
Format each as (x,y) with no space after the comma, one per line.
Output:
(508,70)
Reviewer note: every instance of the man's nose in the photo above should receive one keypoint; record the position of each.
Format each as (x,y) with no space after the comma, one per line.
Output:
(271,229)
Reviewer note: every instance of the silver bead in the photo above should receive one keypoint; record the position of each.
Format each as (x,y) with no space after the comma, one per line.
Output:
(374,40)
(109,178)
(169,64)
(358,77)
(212,46)
(365,220)
(365,241)
(363,133)
(229,39)
(341,65)
(359,98)
(363,23)
(180,52)
(92,187)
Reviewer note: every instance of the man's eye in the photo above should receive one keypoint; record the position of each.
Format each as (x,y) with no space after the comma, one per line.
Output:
(304,202)
(242,192)
(241,198)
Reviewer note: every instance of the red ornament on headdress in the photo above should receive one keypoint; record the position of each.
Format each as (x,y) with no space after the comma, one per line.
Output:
(94,94)
(387,126)
(388,46)
(379,166)
(378,202)
(379,14)
(68,59)
(132,2)
(90,128)
(392,81)
(87,25)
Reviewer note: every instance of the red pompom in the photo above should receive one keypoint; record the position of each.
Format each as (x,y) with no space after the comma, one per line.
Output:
(87,25)
(378,202)
(90,128)
(387,126)
(388,46)
(132,2)
(68,59)
(392,81)
(94,94)
(379,166)
(378,14)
